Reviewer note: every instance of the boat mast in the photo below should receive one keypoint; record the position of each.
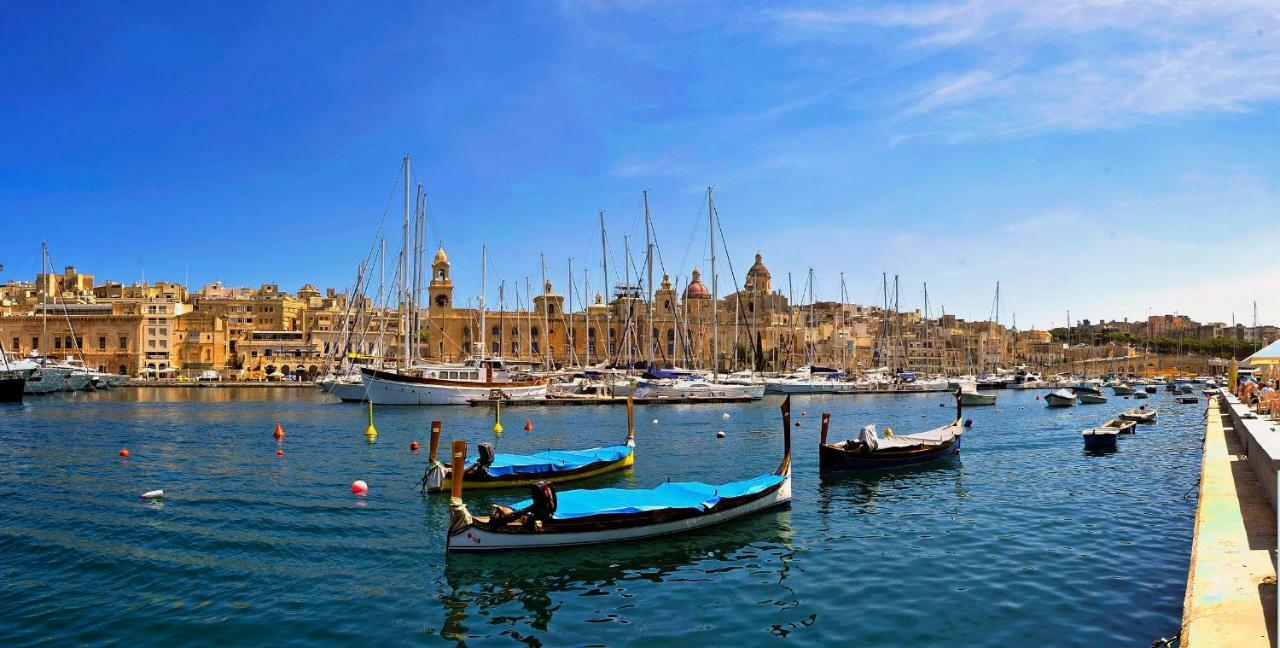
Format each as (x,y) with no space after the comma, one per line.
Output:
(484,266)
(546,334)
(604,287)
(502,317)
(631,306)
(568,315)
(586,314)
(648,262)
(404,270)
(715,284)
(809,350)
(791,319)
(44,301)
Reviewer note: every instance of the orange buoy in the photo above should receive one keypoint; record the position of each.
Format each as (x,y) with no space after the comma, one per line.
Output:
(124,452)
(279,452)
(279,433)
(528,425)
(413,445)
(359,487)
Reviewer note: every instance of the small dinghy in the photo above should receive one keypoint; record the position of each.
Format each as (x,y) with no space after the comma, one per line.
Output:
(1139,415)
(498,470)
(1092,399)
(1187,400)
(1060,398)
(1120,426)
(584,517)
(871,452)
(969,395)
(1100,438)
(1141,394)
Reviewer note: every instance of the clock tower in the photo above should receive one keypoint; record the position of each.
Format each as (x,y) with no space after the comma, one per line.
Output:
(441,286)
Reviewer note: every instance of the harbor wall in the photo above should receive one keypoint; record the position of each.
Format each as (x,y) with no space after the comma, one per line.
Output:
(1261,441)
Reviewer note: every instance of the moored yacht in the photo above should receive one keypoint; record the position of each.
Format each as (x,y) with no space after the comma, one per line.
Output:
(477,379)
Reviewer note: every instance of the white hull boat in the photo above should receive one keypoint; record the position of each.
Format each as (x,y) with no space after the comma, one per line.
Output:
(696,389)
(388,388)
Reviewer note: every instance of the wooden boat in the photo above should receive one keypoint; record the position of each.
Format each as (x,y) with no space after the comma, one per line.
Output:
(1139,415)
(1091,399)
(1121,426)
(1086,387)
(1060,398)
(11,388)
(870,452)
(1121,389)
(1186,400)
(493,470)
(970,396)
(1100,438)
(585,517)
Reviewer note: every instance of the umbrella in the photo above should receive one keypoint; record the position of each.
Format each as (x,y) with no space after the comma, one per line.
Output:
(1268,355)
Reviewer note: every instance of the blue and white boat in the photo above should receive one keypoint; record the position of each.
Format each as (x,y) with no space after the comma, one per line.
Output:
(550,519)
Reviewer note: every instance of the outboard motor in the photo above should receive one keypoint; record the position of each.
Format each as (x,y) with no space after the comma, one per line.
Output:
(543,495)
(486,457)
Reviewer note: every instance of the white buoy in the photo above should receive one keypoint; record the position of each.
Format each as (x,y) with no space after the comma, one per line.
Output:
(725,416)
(720,434)
(655,421)
(155,494)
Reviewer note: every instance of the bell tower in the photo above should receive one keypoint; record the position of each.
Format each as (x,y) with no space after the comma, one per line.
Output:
(441,286)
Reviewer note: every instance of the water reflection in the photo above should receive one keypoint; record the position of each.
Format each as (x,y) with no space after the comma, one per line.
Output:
(867,489)
(480,586)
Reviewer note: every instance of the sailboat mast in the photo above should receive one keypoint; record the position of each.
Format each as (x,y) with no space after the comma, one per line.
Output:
(44,299)
(546,339)
(604,288)
(484,266)
(568,313)
(791,319)
(631,307)
(809,350)
(404,269)
(715,294)
(648,262)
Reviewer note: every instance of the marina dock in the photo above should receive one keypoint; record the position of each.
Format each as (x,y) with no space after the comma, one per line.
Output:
(1231,583)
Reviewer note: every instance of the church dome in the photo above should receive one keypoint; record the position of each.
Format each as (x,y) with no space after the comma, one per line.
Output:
(697,289)
(758,268)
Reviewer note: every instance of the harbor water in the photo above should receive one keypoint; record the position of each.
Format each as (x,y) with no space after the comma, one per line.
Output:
(1024,540)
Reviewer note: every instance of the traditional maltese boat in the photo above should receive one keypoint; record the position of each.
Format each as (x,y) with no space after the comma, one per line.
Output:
(499,470)
(1060,398)
(872,452)
(583,517)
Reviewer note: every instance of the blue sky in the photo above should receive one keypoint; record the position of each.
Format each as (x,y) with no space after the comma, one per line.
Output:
(1104,157)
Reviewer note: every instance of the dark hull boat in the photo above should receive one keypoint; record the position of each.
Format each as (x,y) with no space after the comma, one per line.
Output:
(1100,439)
(608,515)
(873,453)
(496,470)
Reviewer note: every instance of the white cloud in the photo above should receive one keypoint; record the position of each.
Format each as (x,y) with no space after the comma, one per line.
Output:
(1028,66)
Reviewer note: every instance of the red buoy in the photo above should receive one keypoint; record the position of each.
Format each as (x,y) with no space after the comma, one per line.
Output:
(528,425)
(359,487)
(279,433)
(279,452)
(413,445)
(124,452)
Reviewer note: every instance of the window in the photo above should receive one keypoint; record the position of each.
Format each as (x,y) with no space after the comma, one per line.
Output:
(151,331)
(267,352)
(533,332)
(515,348)
(35,342)
(57,343)
(496,332)
(151,344)
(102,344)
(534,346)
(15,344)
(79,342)
(124,370)
(496,346)
(124,342)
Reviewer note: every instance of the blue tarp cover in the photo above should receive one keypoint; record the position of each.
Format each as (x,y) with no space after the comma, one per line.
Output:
(672,495)
(551,460)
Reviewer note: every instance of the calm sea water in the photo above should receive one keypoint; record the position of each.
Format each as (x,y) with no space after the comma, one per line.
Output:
(1026,540)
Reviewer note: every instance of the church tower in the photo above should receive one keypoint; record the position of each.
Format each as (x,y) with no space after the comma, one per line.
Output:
(441,286)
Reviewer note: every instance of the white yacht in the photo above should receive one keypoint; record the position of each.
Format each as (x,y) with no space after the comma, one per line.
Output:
(807,381)
(428,385)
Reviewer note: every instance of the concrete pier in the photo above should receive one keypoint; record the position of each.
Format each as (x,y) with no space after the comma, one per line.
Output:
(1231,585)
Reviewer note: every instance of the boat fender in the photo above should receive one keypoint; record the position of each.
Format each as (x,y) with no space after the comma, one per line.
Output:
(968,423)
(888,431)
(543,507)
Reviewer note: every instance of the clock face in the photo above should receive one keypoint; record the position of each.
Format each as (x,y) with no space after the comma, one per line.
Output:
(442,299)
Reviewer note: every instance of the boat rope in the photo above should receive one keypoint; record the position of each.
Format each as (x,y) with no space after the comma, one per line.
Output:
(1194,487)
(1166,642)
